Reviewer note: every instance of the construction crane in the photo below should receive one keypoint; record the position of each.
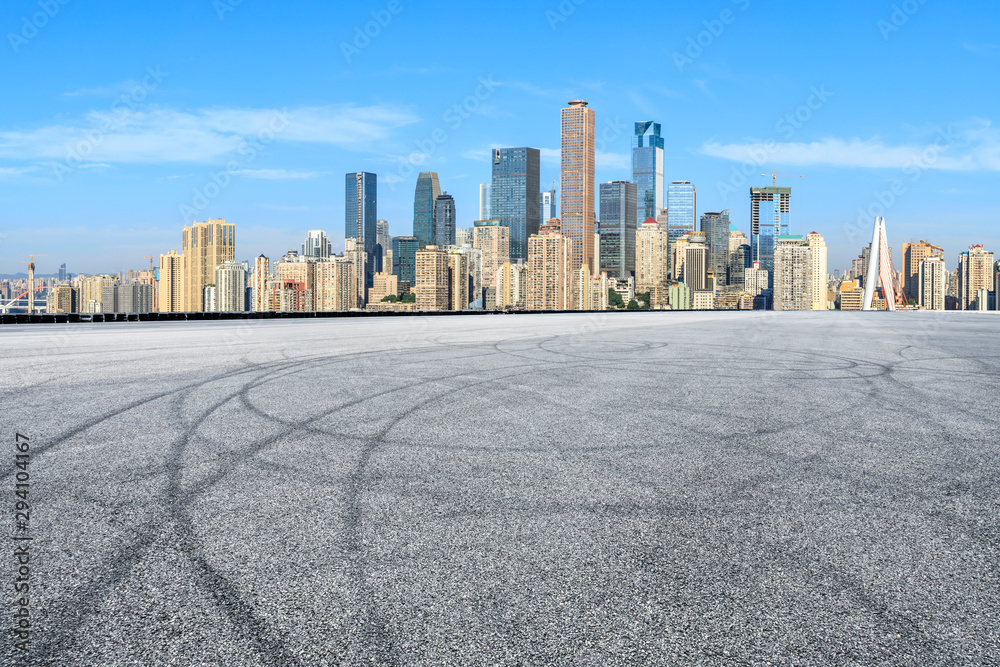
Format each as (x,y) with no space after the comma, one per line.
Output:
(775,176)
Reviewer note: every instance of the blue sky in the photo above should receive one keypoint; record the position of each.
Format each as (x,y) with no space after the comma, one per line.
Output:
(122,120)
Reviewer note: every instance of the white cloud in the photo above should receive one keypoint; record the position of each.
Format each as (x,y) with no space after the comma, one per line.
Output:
(277,174)
(976,149)
(166,135)
(13,172)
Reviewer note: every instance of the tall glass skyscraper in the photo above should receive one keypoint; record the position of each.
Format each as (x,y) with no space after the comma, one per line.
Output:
(444,220)
(404,258)
(549,208)
(361,215)
(716,229)
(616,226)
(647,169)
(682,207)
(770,215)
(427,192)
(484,201)
(515,195)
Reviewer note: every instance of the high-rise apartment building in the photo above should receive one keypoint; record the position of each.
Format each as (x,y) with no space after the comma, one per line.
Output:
(361,215)
(230,287)
(770,215)
(514,195)
(404,258)
(492,238)
(716,226)
(171,283)
(204,246)
(550,258)
(444,220)
(696,262)
(931,283)
(336,283)
(913,255)
(792,277)
(617,228)
(458,280)
(579,182)
(427,191)
(647,170)
(433,279)
(975,272)
(549,208)
(260,281)
(294,268)
(817,270)
(652,255)
(316,245)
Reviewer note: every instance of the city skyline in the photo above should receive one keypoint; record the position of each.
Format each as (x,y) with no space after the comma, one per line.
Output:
(853,136)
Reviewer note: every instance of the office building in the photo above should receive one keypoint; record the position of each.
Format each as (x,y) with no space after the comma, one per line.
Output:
(652,255)
(427,191)
(647,170)
(484,201)
(361,216)
(716,227)
(578,182)
(316,245)
(770,215)
(444,220)
(230,287)
(616,229)
(792,278)
(404,258)
(514,195)
(975,272)
(492,239)
(171,283)
(930,282)
(550,257)
(204,246)
(695,270)
(549,208)
(433,282)
(913,255)
(383,246)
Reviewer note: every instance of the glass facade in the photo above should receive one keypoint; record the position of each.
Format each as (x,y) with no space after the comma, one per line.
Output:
(549,208)
(681,210)
(770,215)
(647,170)
(404,258)
(427,192)
(515,195)
(444,220)
(361,215)
(616,226)
(716,229)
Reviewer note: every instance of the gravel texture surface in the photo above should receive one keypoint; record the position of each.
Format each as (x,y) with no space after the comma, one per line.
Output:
(592,489)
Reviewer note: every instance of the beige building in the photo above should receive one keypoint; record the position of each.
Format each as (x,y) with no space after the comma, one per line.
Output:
(817,270)
(204,245)
(65,299)
(652,258)
(259,280)
(677,254)
(913,256)
(336,284)
(931,284)
(299,269)
(852,295)
(383,285)
(550,258)
(590,292)
(91,291)
(975,272)
(577,210)
(171,284)
(492,239)
(458,280)
(432,277)
(507,283)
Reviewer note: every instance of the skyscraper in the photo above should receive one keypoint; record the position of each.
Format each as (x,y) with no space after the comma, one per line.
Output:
(617,229)
(652,255)
(492,238)
(427,192)
(260,284)
(444,220)
(913,255)
(549,209)
(549,278)
(361,215)
(716,229)
(770,213)
(682,207)
(578,182)
(514,195)
(817,270)
(931,283)
(484,201)
(404,258)
(792,276)
(62,273)
(316,244)
(647,169)
(171,283)
(433,279)
(975,272)
(204,245)
(383,244)
(696,262)
(230,288)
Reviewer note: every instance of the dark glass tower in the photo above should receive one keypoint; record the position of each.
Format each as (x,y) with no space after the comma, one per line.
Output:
(361,215)
(428,190)
(716,228)
(515,195)
(444,220)
(770,213)
(617,228)
(647,170)
(404,258)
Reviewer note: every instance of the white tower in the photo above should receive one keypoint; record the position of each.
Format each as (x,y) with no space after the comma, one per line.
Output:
(880,265)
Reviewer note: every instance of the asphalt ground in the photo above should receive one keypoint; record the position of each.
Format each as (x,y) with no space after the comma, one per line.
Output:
(592,489)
